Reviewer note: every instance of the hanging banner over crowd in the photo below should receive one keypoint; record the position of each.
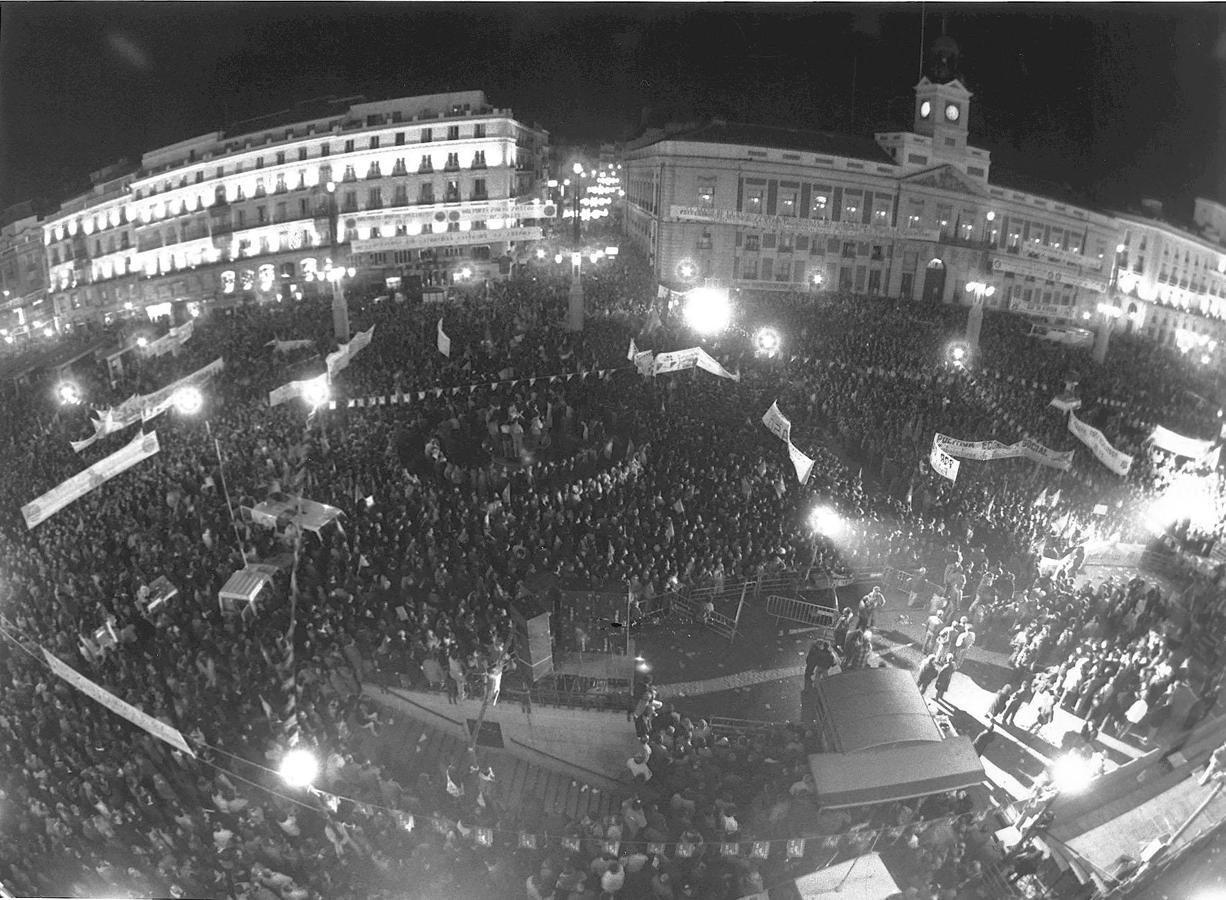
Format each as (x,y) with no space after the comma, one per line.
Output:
(803,464)
(171,341)
(308,387)
(140,448)
(343,355)
(444,342)
(143,408)
(942,463)
(678,360)
(1115,460)
(279,346)
(1178,444)
(990,450)
(155,727)
(777,424)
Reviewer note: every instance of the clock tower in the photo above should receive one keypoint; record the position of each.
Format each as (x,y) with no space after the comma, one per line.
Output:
(942,102)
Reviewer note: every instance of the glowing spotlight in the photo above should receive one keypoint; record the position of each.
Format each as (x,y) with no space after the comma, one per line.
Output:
(686,269)
(817,279)
(142,342)
(317,393)
(47,332)
(958,353)
(1188,497)
(540,253)
(767,341)
(188,400)
(708,310)
(825,521)
(641,664)
(299,768)
(558,258)
(1071,773)
(67,393)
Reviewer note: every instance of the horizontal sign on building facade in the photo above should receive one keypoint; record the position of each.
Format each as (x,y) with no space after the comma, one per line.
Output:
(799,226)
(468,212)
(445,239)
(1045,273)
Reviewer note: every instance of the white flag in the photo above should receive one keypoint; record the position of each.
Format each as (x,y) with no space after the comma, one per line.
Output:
(444,342)
(632,352)
(305,388)
(139,448)
(155,727)
(803,464)
(710,364)
(777,424)
(942,463)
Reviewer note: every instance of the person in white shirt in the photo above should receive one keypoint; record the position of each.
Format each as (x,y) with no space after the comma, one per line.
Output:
(637,764)
(614,879)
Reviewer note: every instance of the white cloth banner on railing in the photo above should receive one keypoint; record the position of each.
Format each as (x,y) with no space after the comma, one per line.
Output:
(1178,444)
(139,448)
(171,341)
(153,405)
(942,463)
(142,720)
(280,346)
(304,388)
(444,342)
(1117,461)
(678,360)
(803,464)
(777,423)
(343,355)
(989,450)
(1066,402)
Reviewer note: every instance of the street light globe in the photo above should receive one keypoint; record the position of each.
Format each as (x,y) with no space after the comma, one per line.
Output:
(68,393)
(1120,248)
(316,393)
(188,400)
(767,341)
(708,310)
(577,168)
(1071,773)
(557,258)
(958,353)
(540,253)
(817,279)
(331,187)
(47,332)
(686,269)
(825,521)
(299,768)
(991,216)
(142,342)
(351,271)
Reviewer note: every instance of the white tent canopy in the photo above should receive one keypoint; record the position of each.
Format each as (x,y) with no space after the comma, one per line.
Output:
(862,878)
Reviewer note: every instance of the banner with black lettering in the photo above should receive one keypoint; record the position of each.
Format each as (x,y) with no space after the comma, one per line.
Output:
(777,423)
(1117,461)
(142,720)
(139,448)
(802,463)
(942,463)
(1026,448)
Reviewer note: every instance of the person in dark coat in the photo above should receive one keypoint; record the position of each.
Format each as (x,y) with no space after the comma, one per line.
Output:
(818,662)
(984,739)
(927,672)
(1019,699)
(1000,701)
(945,674)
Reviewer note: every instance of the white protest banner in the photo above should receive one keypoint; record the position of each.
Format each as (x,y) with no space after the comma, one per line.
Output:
(709,363)
(343,355)
(78,446)
(1065,402)
(633,351)
(803,464)
(990,450)
(676,360)
(153,405)
(1115,460)
(139,448)
(444,342)
(308,387)
(155,727)
(777,424)
(942,463)
(645,362)
(1178,444)
(280,346)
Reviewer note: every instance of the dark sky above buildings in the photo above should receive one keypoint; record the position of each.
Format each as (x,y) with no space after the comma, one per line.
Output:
(1119,100)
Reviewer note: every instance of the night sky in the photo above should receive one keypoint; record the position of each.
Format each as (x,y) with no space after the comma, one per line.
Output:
(1112,100)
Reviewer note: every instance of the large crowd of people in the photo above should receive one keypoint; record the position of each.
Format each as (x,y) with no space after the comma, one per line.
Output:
(530,451)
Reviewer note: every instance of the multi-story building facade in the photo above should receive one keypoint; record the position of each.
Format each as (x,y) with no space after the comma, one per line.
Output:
(411,188)
(910,214)
(23,273)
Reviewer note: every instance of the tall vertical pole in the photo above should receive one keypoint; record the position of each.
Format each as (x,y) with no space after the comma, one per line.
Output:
(225,491)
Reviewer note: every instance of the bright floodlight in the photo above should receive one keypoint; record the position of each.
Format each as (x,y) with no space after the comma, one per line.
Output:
(142,342)
(188,400)
(1072,774)
(1188,497)
(687,270)
(817,279)
(958,353)
(316,392)
(577,168)
(466,272)
(557,258)
(825,521)
(767,341)
(299,768)
(68,393)
(708,310)
(540,253)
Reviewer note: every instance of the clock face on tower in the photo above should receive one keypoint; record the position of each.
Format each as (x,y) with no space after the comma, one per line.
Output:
(925,109)
(952,112)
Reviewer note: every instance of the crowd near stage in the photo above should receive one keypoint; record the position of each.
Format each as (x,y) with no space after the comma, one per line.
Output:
(720,596)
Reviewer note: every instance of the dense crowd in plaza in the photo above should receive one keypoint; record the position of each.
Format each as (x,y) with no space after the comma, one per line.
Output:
(622,480)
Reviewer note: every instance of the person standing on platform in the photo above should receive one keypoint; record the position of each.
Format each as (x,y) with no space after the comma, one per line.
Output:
(819,661)
(927,673)
(945,674)
(869,605)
